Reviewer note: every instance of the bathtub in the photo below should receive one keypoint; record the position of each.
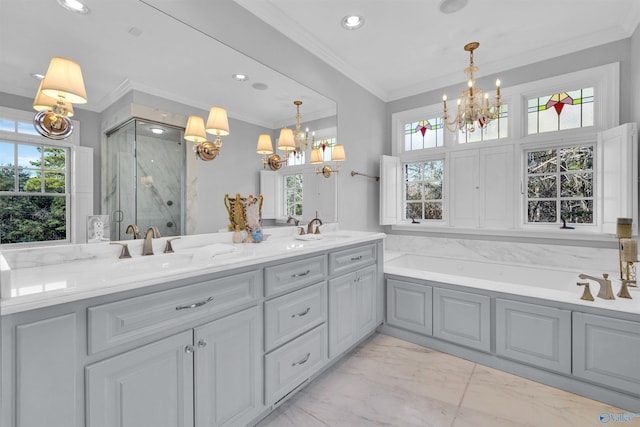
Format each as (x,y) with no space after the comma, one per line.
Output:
(528,320)
(550,283)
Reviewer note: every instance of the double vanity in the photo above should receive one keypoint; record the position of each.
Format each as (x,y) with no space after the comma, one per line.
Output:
(213,334)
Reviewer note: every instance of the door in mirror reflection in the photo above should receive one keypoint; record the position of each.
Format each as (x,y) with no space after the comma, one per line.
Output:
(145,175)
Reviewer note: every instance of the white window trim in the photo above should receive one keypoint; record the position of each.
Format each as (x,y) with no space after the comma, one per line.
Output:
(605,81)
(80,188)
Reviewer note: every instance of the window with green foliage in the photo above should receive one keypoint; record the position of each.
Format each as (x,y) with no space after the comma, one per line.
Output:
(34,193)
(560,185)
(293,195)
(423,190)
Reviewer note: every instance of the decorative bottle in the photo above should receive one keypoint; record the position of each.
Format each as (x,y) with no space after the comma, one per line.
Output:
(237,235)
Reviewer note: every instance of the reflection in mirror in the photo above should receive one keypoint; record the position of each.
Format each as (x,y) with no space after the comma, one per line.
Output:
(132,55)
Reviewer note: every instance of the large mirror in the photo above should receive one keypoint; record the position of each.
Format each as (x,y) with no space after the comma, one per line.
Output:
(138,60)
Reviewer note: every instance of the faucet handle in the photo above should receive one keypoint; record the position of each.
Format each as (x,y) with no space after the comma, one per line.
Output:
(124,252)
(624,289)
(168,249)
(301,230)
(586,295)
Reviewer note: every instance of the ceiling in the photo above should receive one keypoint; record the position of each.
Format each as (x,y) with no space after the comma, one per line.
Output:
(408,46)
(126,44)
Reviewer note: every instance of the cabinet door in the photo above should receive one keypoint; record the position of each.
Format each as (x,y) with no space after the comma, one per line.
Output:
(534,334)
(148,387)
(464,188)
(463,318)
(606,350)
(409,306)
(342,328)
(365,284)
(228,370)
(496,187)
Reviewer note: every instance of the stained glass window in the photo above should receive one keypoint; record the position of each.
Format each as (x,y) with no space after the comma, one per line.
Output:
(560,185)
(326,148)
(423,190)
(560,111)
(423,134)
(497,128)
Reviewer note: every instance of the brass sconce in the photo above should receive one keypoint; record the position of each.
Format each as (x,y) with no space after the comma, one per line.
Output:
(265,147)
(196,132)
(61,87)
(337,155)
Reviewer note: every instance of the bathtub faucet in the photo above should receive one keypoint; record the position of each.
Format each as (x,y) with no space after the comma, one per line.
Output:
(606,292)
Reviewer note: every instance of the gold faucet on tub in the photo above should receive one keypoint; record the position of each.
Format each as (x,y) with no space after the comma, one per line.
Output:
(605,285)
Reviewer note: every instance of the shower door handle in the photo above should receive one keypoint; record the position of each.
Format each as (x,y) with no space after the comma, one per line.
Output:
(118,216)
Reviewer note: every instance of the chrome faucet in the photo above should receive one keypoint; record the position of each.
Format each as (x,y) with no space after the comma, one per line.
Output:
(310,226)
(147,246)
(606,292)
(133,229)
(295,221)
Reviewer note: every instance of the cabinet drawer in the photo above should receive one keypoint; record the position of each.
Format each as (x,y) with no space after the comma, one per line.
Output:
(463,318)
(293,314)
(292,275)
(534,334)
(351,259)
(292,364)
(121,322)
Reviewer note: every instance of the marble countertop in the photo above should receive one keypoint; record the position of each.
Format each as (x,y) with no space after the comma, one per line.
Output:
(42,277)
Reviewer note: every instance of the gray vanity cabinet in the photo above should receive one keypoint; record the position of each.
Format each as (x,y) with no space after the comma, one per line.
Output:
(409,306)
(215,368)
(606,351)
(463,318)
(352,308)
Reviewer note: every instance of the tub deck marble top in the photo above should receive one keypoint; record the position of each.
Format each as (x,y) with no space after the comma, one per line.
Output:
(536,281)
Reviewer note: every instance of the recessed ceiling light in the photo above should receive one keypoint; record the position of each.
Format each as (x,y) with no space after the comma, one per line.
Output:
(157,131)
(260,86)
(452,6)
(240,77)
(134,31)
(74,6)
(352,22)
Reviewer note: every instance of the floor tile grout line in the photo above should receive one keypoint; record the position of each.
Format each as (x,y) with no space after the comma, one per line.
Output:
(463,395)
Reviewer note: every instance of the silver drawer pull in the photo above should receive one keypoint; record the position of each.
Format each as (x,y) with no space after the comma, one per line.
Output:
(195,304)
(303,361)
(301,274)
(304,313)
(356,258)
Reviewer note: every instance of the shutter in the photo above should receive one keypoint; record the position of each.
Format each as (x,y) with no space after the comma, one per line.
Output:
(617,174)
(269,191)
(390,176)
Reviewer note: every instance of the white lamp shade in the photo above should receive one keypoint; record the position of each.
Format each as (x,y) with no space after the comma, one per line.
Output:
(338,153)
(194,131)
(316,156)
(285,142)
(43,102)
(64,80)
(264,144)
(217,122)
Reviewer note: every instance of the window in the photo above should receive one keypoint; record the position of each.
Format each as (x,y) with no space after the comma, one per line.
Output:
(498,128)
(560,111)
(293,195)
(423,134)
(33,192)
(423,190)
(326,147)
(560,185)
(555,154)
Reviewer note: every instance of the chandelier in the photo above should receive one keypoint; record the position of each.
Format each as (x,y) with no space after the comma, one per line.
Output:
(300,138)
(474,108)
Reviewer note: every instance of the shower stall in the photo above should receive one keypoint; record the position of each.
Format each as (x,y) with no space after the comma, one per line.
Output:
(145,178)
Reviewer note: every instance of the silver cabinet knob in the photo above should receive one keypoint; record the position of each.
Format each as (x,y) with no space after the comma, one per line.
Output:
(202,343)
(188,349)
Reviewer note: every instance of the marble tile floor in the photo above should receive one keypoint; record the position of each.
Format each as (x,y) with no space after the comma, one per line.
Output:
(390,382)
